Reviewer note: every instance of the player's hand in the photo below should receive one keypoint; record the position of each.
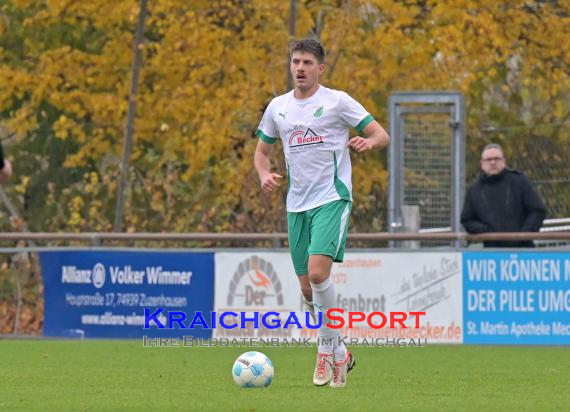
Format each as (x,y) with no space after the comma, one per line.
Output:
(360,144)
(270,182)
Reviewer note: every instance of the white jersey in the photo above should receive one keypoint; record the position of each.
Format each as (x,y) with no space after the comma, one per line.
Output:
(314,133)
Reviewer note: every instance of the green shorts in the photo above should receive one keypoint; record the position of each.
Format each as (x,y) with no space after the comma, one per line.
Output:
(319,231)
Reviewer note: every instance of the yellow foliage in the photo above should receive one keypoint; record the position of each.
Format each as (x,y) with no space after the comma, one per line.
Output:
(210,67)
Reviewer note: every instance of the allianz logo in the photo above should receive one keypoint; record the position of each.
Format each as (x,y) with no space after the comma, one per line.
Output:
(71,274)
(125,275)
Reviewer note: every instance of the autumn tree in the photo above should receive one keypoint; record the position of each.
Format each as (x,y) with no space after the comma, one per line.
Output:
(209,70)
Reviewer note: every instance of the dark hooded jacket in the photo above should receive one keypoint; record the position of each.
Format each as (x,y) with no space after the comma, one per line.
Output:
(507,202)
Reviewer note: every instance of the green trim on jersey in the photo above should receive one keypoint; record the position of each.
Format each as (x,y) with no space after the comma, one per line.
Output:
(339,185)
(363,123)
(265,138)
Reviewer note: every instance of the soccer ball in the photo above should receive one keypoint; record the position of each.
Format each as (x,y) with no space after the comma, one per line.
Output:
(253,370)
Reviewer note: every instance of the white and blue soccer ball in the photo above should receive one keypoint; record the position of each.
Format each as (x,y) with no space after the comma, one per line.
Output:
(253,370)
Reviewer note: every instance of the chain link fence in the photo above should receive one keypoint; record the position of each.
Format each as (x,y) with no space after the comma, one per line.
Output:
(427,174)
(426,161)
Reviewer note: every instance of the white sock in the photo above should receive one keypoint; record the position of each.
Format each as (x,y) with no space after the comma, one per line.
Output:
(323,300)
(340,353)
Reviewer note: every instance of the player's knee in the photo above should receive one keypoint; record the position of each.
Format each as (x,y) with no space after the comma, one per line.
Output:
(317,276)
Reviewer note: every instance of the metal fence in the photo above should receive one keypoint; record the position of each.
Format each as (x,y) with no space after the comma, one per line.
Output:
(430,165)
(426,159)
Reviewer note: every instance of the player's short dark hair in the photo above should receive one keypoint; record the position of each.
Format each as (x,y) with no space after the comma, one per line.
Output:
(308,45)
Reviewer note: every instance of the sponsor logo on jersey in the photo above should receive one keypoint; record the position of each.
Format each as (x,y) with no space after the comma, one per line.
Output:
(307,137)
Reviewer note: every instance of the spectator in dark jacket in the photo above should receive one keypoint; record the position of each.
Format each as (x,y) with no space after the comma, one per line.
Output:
(502,200)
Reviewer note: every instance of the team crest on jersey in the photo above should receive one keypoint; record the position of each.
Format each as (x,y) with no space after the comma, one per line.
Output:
(318,111)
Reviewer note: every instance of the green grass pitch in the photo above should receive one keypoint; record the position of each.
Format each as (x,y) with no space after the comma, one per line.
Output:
(107,375)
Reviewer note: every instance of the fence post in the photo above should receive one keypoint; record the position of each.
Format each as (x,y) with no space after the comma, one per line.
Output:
(411,223)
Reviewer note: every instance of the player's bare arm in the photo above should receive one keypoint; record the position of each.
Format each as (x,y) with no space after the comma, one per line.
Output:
(376,138)
(269,181)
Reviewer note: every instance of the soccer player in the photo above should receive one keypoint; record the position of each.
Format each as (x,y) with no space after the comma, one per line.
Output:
(313,122)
